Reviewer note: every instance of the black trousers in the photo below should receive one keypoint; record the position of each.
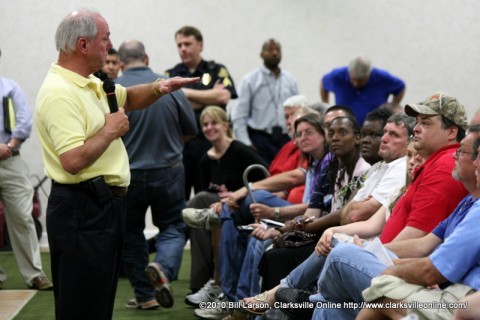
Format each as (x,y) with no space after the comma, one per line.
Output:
(85,242)
(277,263)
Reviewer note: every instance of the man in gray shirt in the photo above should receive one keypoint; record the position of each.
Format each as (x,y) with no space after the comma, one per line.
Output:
(154,145)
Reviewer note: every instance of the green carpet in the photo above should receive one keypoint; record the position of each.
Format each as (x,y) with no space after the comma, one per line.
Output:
(41,306)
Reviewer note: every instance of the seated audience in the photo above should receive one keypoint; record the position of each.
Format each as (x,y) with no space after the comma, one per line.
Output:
(446,266)
(289,158)
(358,266)
(436,134)
(385,180)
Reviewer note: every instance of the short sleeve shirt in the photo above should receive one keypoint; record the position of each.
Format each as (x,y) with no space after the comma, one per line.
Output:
(70,109)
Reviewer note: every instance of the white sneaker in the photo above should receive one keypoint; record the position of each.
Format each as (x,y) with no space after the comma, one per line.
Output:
(201,218)
(208,293)
(219,311)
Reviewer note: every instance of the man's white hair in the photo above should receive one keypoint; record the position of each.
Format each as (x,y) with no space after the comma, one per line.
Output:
(296,101)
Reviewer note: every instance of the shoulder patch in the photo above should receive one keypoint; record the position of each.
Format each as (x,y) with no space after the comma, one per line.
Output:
(223,73)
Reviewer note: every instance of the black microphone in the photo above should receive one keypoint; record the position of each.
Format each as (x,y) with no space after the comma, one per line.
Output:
(109,88)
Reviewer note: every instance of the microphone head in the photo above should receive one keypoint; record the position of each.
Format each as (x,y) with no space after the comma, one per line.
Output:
(109,86)
(101,75)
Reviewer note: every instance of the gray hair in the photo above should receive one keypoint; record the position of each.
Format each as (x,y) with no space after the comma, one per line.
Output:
(79,23)
(360,67)
(475,127)
(296,101)
(408,122)
(318,106)
(131,51)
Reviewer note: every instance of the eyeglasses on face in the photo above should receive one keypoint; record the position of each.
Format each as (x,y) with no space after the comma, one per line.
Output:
(459,152)
(306,133)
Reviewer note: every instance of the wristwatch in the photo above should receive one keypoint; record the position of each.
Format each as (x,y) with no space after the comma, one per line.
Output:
(276,213)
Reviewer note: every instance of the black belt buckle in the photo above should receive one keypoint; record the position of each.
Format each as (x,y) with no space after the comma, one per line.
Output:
(100,189)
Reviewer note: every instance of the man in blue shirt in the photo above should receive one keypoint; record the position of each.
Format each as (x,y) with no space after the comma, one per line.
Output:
(16,190)
(361,87)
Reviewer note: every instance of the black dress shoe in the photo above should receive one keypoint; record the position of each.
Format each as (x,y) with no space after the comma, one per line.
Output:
(295,303)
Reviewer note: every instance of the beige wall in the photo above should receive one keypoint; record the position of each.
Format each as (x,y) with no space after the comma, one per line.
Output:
(431,44)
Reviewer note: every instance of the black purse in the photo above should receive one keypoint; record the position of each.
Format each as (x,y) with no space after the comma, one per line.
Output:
(295,238)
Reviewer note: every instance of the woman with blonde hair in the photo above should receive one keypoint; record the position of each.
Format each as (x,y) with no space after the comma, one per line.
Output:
(221,171)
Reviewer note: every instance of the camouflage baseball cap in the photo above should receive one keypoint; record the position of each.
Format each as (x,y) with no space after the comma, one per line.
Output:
(441,104)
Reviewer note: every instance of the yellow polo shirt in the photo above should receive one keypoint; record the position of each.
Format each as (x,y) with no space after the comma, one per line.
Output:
(70,109)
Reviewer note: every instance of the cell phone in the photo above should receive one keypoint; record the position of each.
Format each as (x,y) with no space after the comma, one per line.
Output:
(267,223)
(100,189)
(245,229)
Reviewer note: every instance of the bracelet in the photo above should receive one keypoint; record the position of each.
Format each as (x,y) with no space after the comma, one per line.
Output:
(155,89)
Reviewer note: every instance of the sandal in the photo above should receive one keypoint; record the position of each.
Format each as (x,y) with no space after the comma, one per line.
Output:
(257,305)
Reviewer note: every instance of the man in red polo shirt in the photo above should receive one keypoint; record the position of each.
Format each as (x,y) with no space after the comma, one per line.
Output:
(441,125)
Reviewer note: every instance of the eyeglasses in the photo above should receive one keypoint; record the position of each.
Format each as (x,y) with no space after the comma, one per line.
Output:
(306,133)
(460,152)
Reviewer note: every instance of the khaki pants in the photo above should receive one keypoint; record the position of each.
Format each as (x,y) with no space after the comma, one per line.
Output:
(16,192)
(425,303)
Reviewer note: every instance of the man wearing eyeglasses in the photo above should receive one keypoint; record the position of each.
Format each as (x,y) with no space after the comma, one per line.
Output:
(450,254)
(432,196)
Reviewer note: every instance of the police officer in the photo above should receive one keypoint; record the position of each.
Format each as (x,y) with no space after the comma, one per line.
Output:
(215,87)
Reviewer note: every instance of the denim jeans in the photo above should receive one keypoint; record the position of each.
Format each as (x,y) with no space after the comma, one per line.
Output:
(348,270)
(249,279)
(163,191)
(306,274)
(233,245)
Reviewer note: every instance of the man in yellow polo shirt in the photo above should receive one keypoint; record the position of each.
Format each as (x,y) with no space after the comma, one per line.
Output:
(88,164)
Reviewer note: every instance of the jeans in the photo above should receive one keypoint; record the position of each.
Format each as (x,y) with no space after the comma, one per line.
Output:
(348,270)
(163,191)
(249,279)
(306,274)
(233,245)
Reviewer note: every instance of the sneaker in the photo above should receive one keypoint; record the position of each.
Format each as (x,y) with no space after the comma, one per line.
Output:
(163,290)
(147,305)
(220,309)
(201,218)
(41,283)
(208,293)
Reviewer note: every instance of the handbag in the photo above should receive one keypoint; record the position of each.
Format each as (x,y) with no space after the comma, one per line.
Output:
(295,238)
